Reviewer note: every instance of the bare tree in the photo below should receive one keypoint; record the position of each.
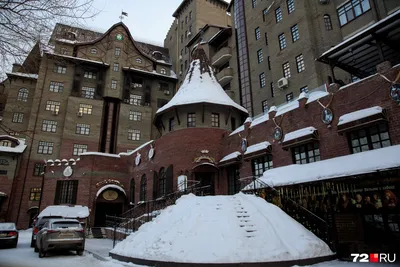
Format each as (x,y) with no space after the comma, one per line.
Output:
(25,22)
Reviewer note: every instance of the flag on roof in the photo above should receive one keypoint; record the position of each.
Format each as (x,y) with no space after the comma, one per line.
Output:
(124,14)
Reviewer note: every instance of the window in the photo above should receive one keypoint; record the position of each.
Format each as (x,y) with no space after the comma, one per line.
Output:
(135,100)
(262,80)
(352,10)
(304,89)
(191,120)
(289,97)
(66,192)
(3,172)
(286,70)
(23,95)
(60,69)
(278,14)
(266,39)
(171,124)
(85,109)
(328,23)
(93,51)
(233,180)
(64,51)
(370,138)
(88,92)
(272,89)
(295,33)
(254,3)
(186,34)
(135,115)
(258,33)
(162,183)
(82,129)
(186,19)
(181,52)
(306,153)
(265,12)
(269,63)
(117,51)
(163,71)
(143,188)
(214,119)
(290,6)
(90,74)
(134,135)
(4,162)
(190,15)
(282,41)
(18,117)
(38,169)
(300,63)
(265,107)
(56,87)
(182,38)
(354,78)
(53,105)
(35,194)
(261,164)
(49,126)
(114,84)
(45,147)
(79,148)
(260,56)
(116,67)
(6,143)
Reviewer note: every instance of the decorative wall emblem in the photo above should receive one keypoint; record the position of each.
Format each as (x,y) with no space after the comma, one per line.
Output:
(205,151)
(109,181)
(278,134)
(151,152)
(110,195)
(199,159)
(137,159)
(119,37)
(395,92)
(68,171)
(243,144)
(327,116)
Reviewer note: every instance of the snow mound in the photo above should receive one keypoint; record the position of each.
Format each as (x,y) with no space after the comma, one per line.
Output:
(222,229)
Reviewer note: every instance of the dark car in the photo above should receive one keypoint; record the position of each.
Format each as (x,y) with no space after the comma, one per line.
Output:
(8,234)
(37,226)
(61,234)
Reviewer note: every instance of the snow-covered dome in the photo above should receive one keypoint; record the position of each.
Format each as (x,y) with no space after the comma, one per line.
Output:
(200,86)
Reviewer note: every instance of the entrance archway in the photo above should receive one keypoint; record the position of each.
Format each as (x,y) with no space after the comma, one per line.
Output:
(110,200)
(33,212)
(206,174)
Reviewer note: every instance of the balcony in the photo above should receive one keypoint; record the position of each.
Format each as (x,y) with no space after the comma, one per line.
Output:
(222,56)
(225,76)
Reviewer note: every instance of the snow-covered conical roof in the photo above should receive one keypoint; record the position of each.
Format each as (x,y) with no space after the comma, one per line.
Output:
(200,86)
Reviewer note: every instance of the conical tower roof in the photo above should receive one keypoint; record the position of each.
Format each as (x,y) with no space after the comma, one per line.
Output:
(200,86)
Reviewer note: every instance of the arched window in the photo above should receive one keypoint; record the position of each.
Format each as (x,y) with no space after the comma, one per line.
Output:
(23,95)
(328,22)
(143,188)
(139,60)
(163,71)
(162,183)
(132,191)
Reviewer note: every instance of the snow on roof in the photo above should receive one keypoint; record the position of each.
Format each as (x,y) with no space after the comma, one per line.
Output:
(26,75)
(298,133)
(108,186)
(200,86)
(292,105)
(359,114)
(66,41)
(314,96)
(79,58)
(212,229)
(76,211)
(99,154)
(2,194)
(354,164)
(358,81)
(230,156)
(257,147)
(173,75)
(259,119)
(136,149)
(303,95)
(20,148)
(237,130)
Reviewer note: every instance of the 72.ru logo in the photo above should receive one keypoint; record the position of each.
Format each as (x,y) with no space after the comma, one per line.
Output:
(373,257)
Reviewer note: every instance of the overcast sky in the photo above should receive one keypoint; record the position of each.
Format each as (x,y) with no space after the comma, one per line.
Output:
(148,20)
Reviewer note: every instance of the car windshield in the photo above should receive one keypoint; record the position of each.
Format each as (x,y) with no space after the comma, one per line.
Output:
(66,224)
(7,226)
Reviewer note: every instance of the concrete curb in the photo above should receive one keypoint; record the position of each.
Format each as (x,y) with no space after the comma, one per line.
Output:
(96,256)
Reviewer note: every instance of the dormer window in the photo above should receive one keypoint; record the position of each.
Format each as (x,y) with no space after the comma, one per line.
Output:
(64,51)
(5,143)
(163,71)
(93,51)
(139,60)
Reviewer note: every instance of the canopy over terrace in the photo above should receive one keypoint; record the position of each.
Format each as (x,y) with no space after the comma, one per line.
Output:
(360,53)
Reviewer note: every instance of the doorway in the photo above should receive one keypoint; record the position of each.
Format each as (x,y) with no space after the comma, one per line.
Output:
(103,209)
(206,180)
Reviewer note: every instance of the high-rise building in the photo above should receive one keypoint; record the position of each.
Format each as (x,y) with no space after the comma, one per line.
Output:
(190,17)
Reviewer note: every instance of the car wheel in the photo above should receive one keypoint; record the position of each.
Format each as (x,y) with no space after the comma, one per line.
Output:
(36,249)
(42,253)
(79,252)
(32,243)
(15,244)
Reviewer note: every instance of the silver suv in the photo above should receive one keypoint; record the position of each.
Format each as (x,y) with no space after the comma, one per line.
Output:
(61,234)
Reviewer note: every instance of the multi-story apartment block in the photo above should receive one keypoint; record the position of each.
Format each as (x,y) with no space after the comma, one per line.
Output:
(90,92)
(277,43)
(190,17)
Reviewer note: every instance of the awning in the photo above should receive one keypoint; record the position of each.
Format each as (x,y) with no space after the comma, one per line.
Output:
(112,186)
(361,118)
(258,150)
(2,194)
(300,136)
(339,167)
(230,158)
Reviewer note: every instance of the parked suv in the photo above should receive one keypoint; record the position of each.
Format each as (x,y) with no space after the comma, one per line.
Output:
(61,234)
(38,225)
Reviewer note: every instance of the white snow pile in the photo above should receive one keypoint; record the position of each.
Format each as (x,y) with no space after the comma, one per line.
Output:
(200,88)
(222,229)
(298,133)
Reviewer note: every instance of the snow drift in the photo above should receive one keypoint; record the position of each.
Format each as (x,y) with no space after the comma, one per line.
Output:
(222,229)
